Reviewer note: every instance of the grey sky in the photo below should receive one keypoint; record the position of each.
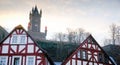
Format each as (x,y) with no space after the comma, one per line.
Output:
(94,16)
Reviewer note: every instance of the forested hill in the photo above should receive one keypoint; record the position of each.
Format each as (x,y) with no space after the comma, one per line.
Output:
(58,51)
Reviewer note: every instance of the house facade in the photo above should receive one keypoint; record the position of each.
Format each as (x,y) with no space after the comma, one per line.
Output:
(19,48)
(88,53)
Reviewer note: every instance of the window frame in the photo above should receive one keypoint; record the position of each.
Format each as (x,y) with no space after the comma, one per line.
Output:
(14,39)
(82,56)
(102,57)
(27,60)
(6,58)
(16,57)
(22,39)
(18,39)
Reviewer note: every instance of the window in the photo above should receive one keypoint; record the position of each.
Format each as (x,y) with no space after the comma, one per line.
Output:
(22,39)
(100,57)
(18,39)
(16,61)
(3,61)
(84,55)
(14,39)
(30,60)
(79,54)
(89,40)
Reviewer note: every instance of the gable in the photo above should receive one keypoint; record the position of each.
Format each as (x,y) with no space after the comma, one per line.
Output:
(88,53)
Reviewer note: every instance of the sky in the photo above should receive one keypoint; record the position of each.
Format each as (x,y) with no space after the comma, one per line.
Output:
(94,16)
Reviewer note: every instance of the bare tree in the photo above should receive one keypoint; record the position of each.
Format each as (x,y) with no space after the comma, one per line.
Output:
(113,32)
(107,42)
(117,37)
(59,37)
(71,35)
(77,36)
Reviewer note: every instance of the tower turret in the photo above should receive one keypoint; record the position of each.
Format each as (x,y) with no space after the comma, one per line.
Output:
(45,30)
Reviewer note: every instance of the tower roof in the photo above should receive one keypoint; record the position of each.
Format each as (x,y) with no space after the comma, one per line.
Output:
(35,10)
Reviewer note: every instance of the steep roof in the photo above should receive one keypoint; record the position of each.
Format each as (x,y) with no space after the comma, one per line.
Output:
(3,33)
(20,27)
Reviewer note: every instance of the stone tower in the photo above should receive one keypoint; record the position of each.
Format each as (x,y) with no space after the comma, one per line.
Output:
(35,20)
(34,26)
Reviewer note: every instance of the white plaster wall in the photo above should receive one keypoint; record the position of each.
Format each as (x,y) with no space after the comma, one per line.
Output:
(90,63)
(84,62)
(5,49)
(100,64)
(30,48)
(89,56)
(96,58)
(14,48)
(93,46)
(30,40)
(6,41)
(10,60)
(78,62)
(37,48)
(21,47)
(89,45)
(83,46)
(23,60)
(74,56)
(14,32)
(38,61)
(24,32)
(68,63)
(95,64)
(73,62)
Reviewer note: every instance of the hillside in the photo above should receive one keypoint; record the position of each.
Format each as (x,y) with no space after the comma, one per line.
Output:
(58,51)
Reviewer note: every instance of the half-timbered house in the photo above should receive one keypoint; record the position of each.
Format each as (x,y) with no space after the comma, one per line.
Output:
(88,53)
(19,48)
